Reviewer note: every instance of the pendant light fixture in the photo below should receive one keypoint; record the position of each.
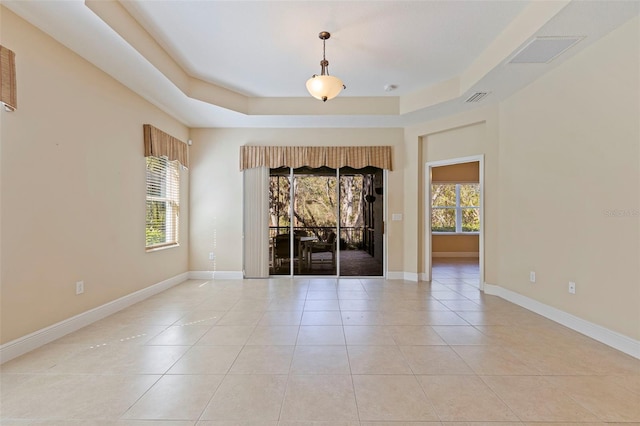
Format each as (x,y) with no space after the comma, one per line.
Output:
(324,86)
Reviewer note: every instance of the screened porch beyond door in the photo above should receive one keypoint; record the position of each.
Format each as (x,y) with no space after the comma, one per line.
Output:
(337,227)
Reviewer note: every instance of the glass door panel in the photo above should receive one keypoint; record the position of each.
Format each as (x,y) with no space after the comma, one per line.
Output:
(315,221)
(279,221)
(361,222)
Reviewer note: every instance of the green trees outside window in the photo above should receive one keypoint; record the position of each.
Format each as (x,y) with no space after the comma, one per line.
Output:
(455,207)
(163,199)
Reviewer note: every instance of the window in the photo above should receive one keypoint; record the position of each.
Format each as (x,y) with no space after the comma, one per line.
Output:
(455,207)
(163,202)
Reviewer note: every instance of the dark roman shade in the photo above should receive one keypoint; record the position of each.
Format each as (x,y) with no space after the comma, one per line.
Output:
(334,157)
(160,144)
(8,87)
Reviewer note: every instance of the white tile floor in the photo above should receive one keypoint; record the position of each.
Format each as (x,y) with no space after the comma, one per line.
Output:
(322,352)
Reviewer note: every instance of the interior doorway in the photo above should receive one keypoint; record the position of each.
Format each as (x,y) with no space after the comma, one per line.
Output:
(324,221)
(454,219)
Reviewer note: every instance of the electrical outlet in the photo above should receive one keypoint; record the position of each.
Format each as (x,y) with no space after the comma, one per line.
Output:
(572,287)
(532,276)
(79,287)
(212,256)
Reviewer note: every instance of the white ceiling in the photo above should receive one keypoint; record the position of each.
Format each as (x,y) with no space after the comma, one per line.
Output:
(272,48)
(245,64)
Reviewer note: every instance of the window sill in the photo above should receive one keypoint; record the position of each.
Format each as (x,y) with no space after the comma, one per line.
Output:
(160,248)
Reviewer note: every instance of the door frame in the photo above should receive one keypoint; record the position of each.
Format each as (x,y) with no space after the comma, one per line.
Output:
(427,212)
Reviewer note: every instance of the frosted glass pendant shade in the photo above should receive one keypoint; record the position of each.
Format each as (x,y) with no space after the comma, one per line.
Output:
(324,87)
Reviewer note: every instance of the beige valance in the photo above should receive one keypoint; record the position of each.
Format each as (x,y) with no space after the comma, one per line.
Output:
(8,86)
(160,144)
(334,157)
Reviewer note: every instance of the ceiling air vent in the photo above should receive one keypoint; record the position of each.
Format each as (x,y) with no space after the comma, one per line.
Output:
(542,50)
(477,97)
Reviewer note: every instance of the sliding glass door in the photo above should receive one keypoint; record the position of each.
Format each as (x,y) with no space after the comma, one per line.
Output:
(280,190)
(361,222)
(325,222)
(315,222)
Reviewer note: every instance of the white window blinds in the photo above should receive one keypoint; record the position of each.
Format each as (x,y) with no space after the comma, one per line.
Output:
(256,223)
(163,202)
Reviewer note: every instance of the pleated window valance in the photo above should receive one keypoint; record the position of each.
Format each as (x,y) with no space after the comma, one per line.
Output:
(160,144)
(8,87)
(334,157)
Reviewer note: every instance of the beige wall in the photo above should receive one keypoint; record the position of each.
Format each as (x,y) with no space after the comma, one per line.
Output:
(569,160)
(455,244)
(216,186)
(562,183)
(73,187)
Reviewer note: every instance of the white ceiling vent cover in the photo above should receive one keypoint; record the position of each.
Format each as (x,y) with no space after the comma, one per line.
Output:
(542,50)
(477,97)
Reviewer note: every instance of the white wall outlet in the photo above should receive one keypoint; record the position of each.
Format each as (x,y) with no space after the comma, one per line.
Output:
(79,287)
(532,276)
(572,287)
(212,256)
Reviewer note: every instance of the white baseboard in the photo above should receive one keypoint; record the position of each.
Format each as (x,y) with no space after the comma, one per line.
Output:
(32,341)
(228,275)
(216,275)
(455,254)
(604,335)
(401,275)
(395,275)
(423,276)
(411,276)
(200,275)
